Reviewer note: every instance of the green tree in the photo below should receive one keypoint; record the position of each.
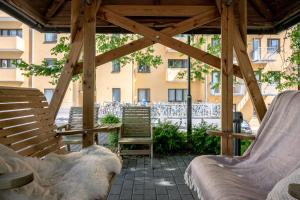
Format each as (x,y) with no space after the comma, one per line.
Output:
(104,43)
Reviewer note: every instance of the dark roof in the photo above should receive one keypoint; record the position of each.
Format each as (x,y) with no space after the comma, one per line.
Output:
(264,16)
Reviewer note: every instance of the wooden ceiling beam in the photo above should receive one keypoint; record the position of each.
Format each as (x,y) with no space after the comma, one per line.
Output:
(28,10)
(158,10)
(159,37)
(262,8)
(54,7)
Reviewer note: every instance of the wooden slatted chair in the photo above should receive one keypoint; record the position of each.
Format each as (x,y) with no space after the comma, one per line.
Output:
(75,123)
(26,126)
(136,129)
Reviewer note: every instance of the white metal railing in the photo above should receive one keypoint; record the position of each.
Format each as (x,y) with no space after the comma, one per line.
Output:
(267,54)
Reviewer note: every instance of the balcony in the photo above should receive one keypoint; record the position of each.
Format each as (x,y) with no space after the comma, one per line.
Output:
(238,89)
(264,55)
(11,44)
(11,75)
(172,74)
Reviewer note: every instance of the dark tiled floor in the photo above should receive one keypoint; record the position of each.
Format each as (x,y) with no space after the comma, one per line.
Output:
(165,181)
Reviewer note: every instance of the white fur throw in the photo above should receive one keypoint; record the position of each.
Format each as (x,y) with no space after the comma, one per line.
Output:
(78,175)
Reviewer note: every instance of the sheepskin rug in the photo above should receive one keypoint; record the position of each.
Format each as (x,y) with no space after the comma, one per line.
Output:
(75,176)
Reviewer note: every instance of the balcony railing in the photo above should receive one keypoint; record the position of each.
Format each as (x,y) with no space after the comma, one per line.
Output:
(172,74)
(11,43)
(264,55)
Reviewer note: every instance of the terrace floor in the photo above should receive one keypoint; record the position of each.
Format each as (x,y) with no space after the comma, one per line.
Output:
(165,181)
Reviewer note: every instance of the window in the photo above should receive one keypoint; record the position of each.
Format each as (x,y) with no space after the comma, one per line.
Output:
(116,66)
(234,107)
(9,63)
(215,41)
(178,63)
(48,94)
(215,83)
(50,61)
(116,94)
(143,68)
(11,32)
(257,76)
(256,55)
(50,37)
(273,45)
(177,95)
(144,95)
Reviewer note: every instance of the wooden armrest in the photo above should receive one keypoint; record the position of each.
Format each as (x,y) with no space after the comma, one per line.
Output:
(242,136)
(101,128)
(15,180)
(294,190)
(63,126)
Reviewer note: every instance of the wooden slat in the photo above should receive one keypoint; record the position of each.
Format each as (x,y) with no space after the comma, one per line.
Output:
(75,10)
(227,20)
(159,37)
(21,136)
(262,8)
(136,141)
(17,121)
(158,10)
(11,98)
(54,148)
(12,106)
(89,71)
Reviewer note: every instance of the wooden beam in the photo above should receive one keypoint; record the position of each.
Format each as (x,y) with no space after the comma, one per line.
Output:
(262,8)
(75,13)
(247,71)
(28,10)
(158,10)
(248,74)
(227,20)
(54,7)
(184,26)
(89,70)
(67,71)
(160,37)
(243,20)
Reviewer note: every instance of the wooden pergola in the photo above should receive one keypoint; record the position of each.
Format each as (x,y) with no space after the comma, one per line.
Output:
(158,21)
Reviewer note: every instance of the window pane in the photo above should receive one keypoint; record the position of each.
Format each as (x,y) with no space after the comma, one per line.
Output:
(171,95)
(116,66)
(179,95)
(48,94)
(5,32)
(13,32)
(4,63)
(50,61)
(50,37)
(185,92)
(177,63)
(144,95)
(143,68)
(116,94)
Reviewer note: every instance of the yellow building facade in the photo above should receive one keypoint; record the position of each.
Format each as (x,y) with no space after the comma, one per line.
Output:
(133,83)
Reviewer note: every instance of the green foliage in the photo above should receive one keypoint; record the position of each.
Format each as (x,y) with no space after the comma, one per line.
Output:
(245,145)
(113,137)
(104,43)
(204,143)
(168,138)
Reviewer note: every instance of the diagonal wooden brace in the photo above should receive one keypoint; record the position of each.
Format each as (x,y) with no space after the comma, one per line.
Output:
(159,37)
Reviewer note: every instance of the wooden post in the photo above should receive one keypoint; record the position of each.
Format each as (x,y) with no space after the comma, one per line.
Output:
(227,20)
(67,72)
(89,72)
(243,20)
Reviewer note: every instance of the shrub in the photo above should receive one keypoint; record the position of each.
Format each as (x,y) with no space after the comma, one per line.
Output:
(204,143)
(168,138)
(113,137)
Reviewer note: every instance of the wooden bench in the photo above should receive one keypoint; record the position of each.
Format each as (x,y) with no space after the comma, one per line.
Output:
(27,128)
